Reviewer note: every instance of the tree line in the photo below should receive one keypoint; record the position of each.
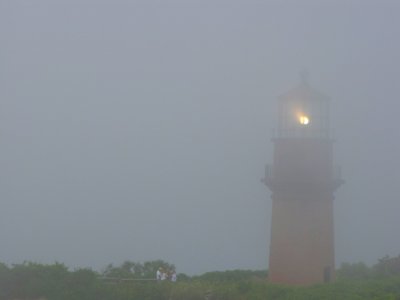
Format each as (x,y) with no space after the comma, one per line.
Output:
(31,280)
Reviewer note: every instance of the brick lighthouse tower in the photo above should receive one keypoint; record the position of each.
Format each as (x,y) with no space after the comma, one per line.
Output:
(302,180)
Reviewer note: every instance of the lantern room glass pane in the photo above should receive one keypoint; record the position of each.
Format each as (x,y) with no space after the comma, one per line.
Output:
(304,118)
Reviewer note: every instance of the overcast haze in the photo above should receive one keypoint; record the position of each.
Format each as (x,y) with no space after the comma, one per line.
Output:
(139,130)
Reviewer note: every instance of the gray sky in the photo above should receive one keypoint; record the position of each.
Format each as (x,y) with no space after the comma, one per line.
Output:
(139,130)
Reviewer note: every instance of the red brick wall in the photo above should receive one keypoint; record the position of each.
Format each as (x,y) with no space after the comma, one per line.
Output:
(302,237)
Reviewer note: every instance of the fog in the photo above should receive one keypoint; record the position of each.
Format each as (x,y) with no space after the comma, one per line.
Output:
(139,130)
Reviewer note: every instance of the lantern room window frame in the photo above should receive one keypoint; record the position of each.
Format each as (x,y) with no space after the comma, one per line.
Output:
(304,101)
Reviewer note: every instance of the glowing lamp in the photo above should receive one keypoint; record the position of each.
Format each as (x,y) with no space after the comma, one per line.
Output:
(303,112)
(304,120)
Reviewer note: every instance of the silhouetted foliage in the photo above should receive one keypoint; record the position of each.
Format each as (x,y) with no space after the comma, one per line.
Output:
(388,266)
(354,271)
(129,269)
(36,281)
(232,275)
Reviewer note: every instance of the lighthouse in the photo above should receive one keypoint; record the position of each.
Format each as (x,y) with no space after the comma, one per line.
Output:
(302,179)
